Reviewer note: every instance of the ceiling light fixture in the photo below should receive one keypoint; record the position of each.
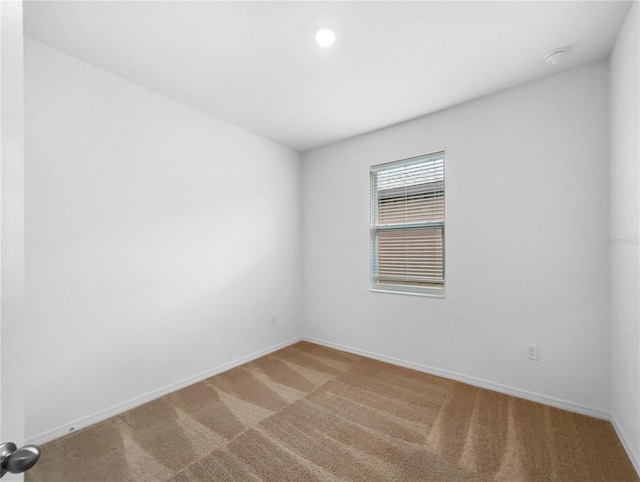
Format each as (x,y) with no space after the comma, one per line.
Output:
(554,57)
(325,38)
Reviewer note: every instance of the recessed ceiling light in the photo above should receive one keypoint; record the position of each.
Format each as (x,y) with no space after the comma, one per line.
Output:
(554,57)
(325,38)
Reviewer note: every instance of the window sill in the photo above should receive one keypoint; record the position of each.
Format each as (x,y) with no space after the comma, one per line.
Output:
(410,293)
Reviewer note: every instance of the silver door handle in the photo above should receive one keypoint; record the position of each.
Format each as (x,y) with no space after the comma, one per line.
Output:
(17,460)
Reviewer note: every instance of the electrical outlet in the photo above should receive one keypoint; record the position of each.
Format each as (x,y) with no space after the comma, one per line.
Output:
(274,319)
(532,352)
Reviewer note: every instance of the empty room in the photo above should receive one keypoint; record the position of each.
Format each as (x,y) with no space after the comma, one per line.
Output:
(320,241)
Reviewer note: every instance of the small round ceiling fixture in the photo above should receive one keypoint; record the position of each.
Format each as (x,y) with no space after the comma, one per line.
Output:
(554,57)
(325,38)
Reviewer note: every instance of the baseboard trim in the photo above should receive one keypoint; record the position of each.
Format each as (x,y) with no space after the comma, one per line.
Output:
(83,422)
(635,458)
(478,382)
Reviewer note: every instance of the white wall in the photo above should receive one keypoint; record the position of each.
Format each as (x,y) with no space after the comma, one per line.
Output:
(625,290)
(159,241)
(527,201)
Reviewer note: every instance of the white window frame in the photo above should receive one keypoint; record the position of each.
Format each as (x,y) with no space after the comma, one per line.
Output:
(405,287)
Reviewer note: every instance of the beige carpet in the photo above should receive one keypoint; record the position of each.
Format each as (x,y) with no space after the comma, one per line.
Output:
(312,413)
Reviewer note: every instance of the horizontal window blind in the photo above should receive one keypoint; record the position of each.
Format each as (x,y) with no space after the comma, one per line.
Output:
(407,223)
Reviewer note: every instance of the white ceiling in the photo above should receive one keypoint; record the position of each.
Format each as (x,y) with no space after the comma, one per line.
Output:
(256,65)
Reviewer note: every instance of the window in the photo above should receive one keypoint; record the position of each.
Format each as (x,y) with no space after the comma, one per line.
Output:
(407,225)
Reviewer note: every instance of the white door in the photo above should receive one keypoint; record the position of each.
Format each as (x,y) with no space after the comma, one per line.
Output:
(11,233)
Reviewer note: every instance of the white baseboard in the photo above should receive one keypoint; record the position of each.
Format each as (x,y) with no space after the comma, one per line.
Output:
(80,423)
(634,457)
(478,382)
